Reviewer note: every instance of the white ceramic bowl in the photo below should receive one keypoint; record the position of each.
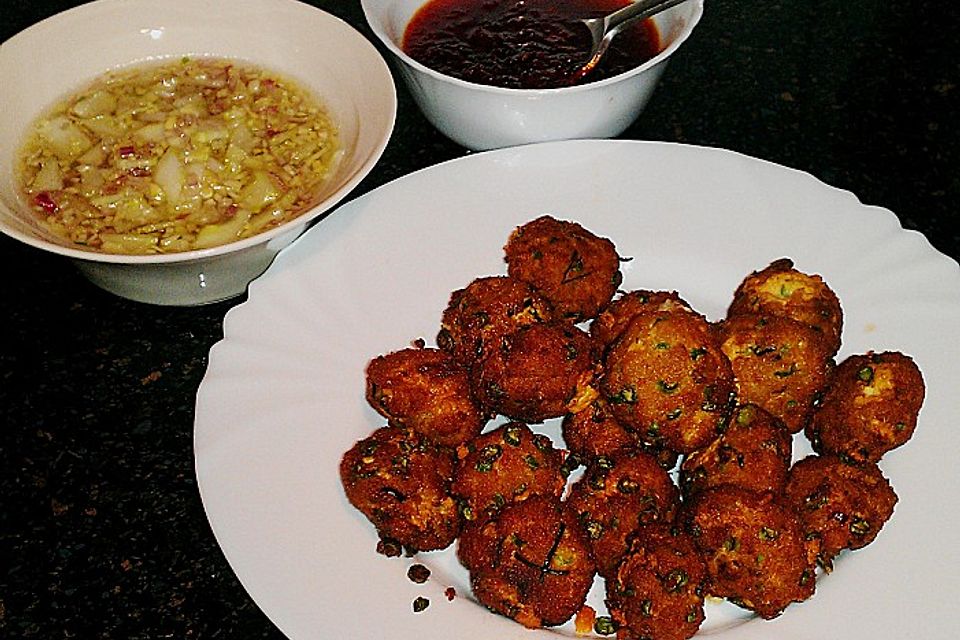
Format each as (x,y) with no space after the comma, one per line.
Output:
(486,117)
(45,62)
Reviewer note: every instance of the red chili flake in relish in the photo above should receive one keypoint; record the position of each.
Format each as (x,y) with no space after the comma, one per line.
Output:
(45,202)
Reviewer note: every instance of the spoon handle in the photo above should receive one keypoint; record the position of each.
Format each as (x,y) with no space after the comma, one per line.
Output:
(614,22)
(603,30)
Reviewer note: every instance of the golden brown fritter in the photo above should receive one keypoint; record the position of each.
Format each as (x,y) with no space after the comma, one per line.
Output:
(667,379)
(658,589)
(487,309)
(753,452)
(782,290)
(595,432)
(576,270)
(615,496)
(530,563)
(400,481)
(754,547)
(425,390)
(611,322)
(843,504)
(540,371)
(508,464)
(870,406)
(778,363)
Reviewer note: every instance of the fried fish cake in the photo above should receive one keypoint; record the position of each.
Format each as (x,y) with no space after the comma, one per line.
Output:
(658,588)
(754,547)
(667,379)
(595,432)
(753,452)
(508,464)
(781,290)
(845,505)
(400,481)
(615,496)
(540,371)
(869,408)
(611,322)
(487,309)
(576,270)
(778,363)
(529,563)
(425,390)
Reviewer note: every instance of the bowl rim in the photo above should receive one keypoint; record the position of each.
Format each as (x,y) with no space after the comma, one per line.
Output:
(397,51)
(297,224)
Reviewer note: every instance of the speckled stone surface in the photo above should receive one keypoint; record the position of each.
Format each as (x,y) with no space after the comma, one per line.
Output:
(102,532)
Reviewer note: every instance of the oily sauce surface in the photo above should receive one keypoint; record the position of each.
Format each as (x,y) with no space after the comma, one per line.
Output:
(524,44)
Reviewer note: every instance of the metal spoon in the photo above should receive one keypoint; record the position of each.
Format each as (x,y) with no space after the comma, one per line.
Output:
(603,30)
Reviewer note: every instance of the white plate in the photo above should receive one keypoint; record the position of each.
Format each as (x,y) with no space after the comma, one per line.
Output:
(283,397)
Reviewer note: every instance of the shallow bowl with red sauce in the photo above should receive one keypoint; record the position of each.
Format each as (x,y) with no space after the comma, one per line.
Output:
(523,100)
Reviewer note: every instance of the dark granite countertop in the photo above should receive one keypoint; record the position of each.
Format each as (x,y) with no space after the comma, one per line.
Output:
(102,532)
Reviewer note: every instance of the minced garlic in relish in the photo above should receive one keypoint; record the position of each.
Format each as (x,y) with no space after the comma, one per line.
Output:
(177,156)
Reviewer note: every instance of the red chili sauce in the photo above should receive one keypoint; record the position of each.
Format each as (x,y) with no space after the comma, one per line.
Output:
(524,44)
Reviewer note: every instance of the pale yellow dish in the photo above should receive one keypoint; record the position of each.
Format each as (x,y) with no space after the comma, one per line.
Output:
(178,156)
